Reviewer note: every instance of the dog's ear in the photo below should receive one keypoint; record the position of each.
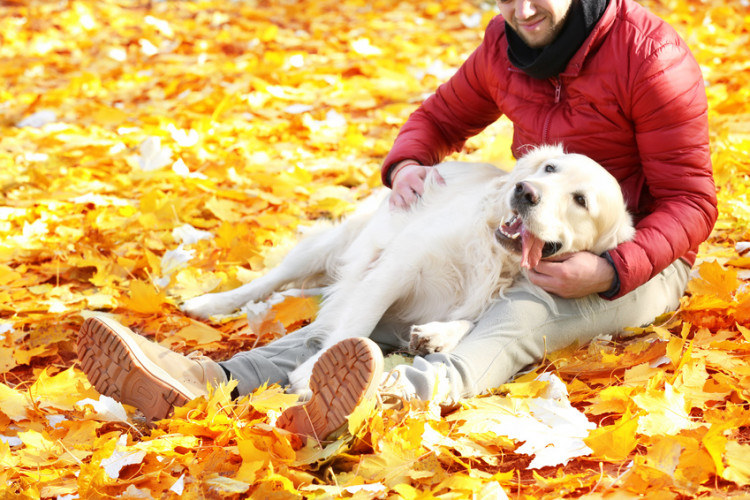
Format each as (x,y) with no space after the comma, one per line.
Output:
(539,154)
(535,158)
(616,227)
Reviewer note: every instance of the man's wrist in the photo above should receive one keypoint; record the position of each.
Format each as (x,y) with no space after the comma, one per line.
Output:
(397,167)
(614,289)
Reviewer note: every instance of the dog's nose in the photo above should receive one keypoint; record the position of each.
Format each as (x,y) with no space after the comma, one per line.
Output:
(526,194)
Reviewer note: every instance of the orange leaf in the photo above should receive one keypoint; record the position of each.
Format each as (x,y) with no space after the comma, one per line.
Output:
(145,298)
(295,310)
(200,333)
(715,281)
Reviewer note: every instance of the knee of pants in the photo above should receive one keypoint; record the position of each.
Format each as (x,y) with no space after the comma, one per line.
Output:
(520,311)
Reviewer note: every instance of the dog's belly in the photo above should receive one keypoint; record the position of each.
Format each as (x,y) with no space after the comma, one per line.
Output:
(446,293)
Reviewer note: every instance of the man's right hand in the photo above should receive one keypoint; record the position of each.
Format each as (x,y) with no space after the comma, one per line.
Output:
(407,183)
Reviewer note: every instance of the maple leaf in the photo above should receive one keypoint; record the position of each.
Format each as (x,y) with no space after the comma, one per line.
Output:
(614,442)
(550,428)
(666,412)
(715,281)
(144,298)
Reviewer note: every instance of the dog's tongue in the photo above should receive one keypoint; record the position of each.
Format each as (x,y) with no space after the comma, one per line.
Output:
(532,249)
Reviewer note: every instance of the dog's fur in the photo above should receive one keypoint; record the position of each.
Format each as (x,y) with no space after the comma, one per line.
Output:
(450,255)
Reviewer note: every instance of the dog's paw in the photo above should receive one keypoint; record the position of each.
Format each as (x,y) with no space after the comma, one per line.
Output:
(205,306)
(437,336)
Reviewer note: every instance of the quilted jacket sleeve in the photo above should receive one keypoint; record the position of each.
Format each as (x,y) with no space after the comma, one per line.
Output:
(669,109)
(460,108)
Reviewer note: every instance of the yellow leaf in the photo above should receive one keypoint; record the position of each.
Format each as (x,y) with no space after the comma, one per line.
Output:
(614,442)
(145,298)
(23,356)
(199,333)
(39,447)
(295,310)
(61,391)
(715,281)
(166,445)
(613,399)
(406,491)
(359,416)
(8,275)
(664,454)
(696,465)
(221,486)
(271,399)
(13,403)
(674,350)
(253,460)
(224,210)
(737,457)
(8,459)
(531,389)
(744,331)
(666,412)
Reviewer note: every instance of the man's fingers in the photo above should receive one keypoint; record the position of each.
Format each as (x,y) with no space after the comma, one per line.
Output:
(438,177)
(395,201)
(402,200)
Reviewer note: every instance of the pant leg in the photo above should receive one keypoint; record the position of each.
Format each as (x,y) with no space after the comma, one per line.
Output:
(273,362)
(516,332)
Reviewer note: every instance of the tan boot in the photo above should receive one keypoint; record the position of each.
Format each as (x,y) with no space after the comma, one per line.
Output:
(346,375)
(135,371)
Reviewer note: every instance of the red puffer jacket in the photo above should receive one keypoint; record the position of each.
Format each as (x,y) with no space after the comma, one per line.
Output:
(632,98)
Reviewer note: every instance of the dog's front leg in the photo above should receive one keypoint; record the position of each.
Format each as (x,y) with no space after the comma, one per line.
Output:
(309,259)
(211,304)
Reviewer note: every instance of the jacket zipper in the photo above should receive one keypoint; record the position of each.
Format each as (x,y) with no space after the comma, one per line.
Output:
(557,82)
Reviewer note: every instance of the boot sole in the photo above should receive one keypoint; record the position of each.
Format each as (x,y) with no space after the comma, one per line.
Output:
(347,374)
(118,368)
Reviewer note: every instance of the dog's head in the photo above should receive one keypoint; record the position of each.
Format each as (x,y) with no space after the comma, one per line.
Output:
(562,203)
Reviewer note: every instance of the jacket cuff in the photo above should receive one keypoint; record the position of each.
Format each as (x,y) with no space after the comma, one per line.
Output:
(615,288)
(392,169)
(387,176)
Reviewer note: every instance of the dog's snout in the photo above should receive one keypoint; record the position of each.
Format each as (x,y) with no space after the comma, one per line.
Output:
(526,193)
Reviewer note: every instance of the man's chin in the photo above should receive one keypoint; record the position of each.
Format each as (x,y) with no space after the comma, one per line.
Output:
(537,40)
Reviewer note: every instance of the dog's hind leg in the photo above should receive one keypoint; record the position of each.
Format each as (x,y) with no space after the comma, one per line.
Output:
(314,256)
(356,306)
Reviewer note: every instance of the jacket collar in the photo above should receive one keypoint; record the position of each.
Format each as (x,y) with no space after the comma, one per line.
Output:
(595,38)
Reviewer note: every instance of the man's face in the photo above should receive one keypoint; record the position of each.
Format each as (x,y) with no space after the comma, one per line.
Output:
(537,22)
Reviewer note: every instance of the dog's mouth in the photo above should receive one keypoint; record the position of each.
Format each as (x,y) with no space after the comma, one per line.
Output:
(514,236)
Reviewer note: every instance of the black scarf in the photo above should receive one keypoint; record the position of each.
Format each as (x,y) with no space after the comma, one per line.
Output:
(551,60)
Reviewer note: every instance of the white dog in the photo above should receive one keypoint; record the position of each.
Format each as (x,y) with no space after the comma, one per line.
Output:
(450,255)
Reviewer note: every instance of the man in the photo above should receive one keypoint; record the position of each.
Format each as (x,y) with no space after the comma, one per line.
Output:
(603,77)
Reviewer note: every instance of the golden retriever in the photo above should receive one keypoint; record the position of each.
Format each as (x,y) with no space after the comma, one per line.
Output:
(449,256)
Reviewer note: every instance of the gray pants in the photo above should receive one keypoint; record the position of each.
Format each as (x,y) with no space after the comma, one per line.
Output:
(512,334)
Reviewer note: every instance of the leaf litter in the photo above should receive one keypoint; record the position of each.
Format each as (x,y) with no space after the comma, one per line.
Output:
(155,151)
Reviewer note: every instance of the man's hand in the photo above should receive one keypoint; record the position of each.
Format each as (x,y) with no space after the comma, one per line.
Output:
(573,275)
(407,183)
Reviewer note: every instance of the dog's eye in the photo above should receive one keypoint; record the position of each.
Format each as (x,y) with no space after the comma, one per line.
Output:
(579,199)
(550,168)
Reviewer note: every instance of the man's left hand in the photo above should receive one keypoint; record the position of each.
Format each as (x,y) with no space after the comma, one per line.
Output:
(573,275)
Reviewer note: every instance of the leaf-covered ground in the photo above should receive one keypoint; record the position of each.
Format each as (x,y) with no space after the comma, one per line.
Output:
(153,151)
